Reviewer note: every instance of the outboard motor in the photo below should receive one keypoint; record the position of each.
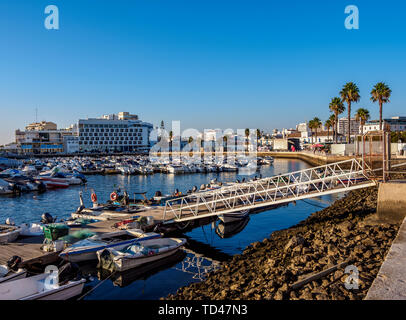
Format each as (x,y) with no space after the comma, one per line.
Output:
(202,187)
(194,189)
(243,180)
(41,187)
(46,218)
(158,194)
(14,262)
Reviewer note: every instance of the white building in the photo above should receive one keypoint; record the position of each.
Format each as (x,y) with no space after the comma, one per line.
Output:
(395,124)
(71,144)
(119,133)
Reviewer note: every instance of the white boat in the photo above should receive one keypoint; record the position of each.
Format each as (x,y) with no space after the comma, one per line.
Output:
(234,216)
(35,288)
(175,169)
(8,233)
(7,275)
(138,254)
(86,250)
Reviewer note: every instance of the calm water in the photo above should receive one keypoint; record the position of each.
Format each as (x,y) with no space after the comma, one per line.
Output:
(205,246)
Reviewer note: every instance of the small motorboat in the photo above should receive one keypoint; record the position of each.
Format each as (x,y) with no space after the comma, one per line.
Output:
(234,216)
(138,254)
(9,275)
(36,288)
(9,233)
(55,183)
(86,249)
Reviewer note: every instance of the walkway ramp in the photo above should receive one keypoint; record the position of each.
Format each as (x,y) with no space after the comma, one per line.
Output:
(308,183)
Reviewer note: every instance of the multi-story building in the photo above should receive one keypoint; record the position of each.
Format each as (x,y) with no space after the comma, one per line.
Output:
(395,124)
(39,138)
(41,126)
(343,126)
(119,133)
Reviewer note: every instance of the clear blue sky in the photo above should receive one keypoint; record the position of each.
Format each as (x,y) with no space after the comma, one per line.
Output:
(211,64)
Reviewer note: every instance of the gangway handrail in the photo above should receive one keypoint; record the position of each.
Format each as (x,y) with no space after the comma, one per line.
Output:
(264,192)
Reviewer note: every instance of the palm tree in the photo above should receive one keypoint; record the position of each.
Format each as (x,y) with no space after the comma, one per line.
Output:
(190,139)
(259,135)
(333,125)
(170,140)
(362,115)
(316,125)
(337,107)
(328,125)
(311,126)
(350,94)
(381,93)
(247,134)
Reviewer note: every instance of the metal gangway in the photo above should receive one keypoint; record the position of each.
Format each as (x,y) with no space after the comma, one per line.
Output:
(272,191)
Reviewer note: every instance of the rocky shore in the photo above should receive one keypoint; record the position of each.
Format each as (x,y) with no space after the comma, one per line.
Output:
(347,232)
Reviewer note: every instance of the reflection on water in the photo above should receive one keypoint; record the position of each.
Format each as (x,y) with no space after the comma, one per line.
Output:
(227,230)
(207,246)
(198,266)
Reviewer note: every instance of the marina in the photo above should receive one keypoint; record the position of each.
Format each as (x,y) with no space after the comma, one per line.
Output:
(33,255)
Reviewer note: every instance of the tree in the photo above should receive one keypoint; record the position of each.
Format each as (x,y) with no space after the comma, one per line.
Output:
(170,139)
(350,94)
(311,126)
(362,115)
(328,125)
(259,135)
(190,139)
(337,107)
(381,93)
(316,124)
(247,134)
(333,125)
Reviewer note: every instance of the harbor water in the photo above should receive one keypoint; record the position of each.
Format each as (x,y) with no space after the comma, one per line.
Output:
(207,245)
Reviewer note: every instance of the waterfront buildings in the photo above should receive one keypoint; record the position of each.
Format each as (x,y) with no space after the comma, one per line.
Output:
(41,137)
(395,124)
(123,132)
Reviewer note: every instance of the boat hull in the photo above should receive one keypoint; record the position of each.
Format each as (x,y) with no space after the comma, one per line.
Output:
(233,217)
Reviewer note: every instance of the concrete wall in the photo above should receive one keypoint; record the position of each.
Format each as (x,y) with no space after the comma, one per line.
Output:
(342,149)
(392,201)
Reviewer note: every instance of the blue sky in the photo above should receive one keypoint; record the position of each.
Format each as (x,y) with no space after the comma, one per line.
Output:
(211,64)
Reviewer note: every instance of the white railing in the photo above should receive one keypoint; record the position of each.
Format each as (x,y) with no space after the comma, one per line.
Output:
(307,183)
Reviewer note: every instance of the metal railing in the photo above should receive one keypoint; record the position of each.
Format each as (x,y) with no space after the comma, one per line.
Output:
(327,179)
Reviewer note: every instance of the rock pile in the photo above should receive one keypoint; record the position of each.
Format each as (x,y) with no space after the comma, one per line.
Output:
(336,235)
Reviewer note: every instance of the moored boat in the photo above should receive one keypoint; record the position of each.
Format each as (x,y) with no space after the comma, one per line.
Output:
(35,288)
(138,254)
(10,275)
(85,250)
(234,216)
(8,233)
